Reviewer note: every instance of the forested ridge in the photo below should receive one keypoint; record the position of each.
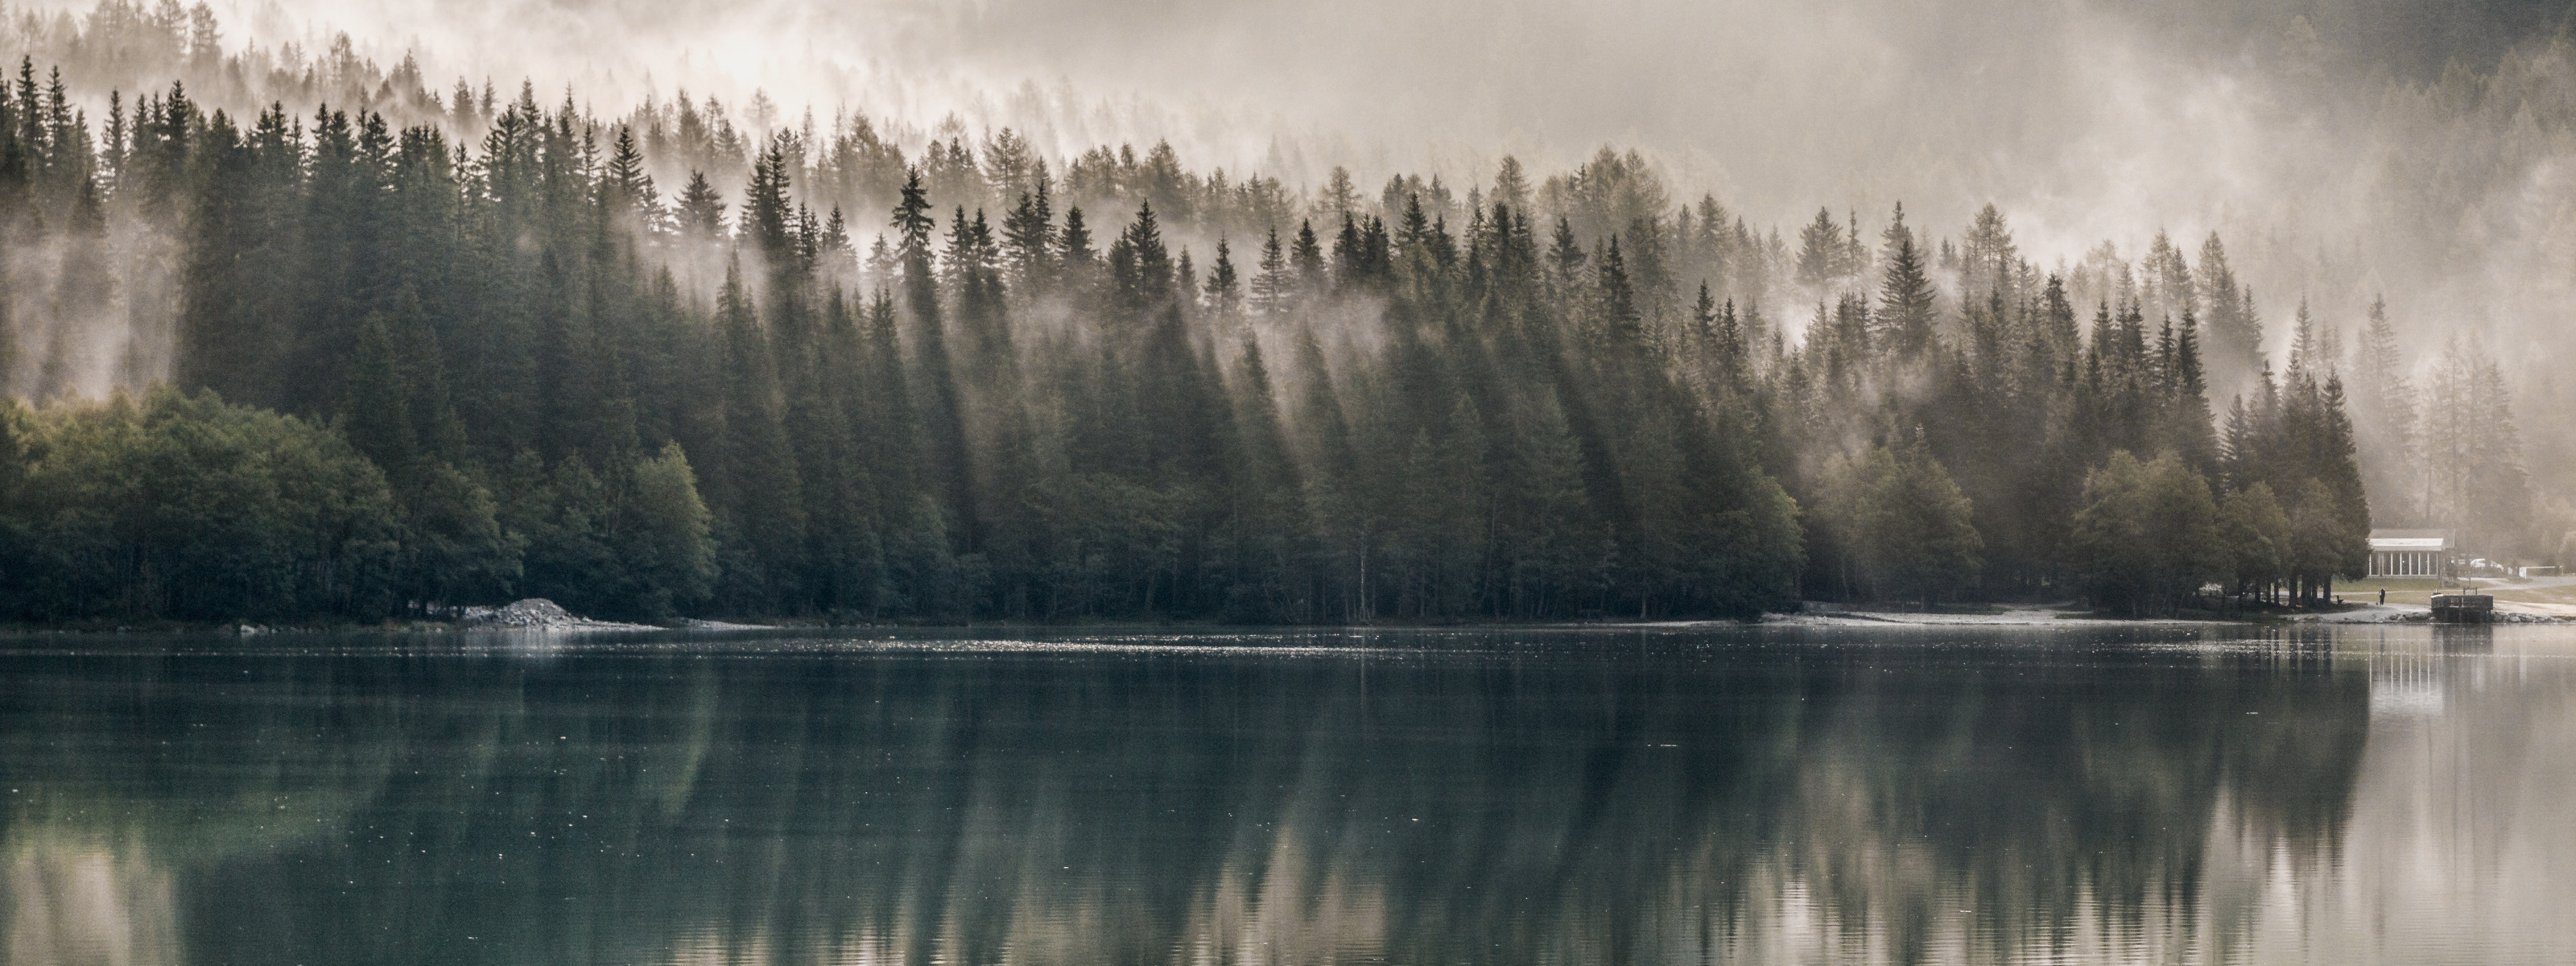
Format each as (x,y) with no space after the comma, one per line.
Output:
(405,373)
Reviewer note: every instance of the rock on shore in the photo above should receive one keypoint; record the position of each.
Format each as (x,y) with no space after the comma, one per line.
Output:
(538,613)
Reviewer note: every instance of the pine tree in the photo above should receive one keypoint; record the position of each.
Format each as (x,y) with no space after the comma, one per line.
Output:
(1565,259)
(2170,290)
(1272,287)
(1029,234)
(1618,301)
(767,212)
(836,235)
(1351,262)
(1703,323)
(1511,186)
(1905,302)
(762,508)
(1734,347)
(1822,259)
(1338,199)
(2500,489)
(1986,254)
(1224,290)
(1142,282)
(701,211)
(1073,247)
(942,409)
(2384,416)
(2192,433)
(2236,335)
(2305,354)
(1308,257)
(628,189)
(913,221)
(378,403)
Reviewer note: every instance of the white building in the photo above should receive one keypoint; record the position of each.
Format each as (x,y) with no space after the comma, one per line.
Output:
(2410,553)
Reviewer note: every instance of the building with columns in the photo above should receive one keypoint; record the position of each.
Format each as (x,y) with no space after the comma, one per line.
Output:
(2410,553)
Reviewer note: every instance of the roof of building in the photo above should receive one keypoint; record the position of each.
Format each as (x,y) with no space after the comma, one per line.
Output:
(2410,540)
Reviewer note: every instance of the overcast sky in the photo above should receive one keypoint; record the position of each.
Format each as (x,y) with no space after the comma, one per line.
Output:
(2088,118)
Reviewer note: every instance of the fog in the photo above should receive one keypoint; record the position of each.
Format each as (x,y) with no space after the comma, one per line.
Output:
(2082,121)
(2344,149)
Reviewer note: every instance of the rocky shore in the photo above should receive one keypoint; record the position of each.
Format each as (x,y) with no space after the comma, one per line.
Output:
(538,613)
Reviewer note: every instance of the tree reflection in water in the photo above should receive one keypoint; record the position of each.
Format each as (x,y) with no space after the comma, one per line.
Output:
(1509,797)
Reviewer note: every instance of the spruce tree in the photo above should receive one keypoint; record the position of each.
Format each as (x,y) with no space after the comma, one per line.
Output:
(1224,289)
(1565,258)
(1308,257)
(627,188)
(1029,234)
(701,211)
(1618,301)
(1272,286)
(763,511)
(2193,436)
(1078,260)
(1511,185)
(1822,260)
(942,410)
(1905,302)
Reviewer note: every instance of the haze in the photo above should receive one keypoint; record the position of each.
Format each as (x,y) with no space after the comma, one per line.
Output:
(2315,137)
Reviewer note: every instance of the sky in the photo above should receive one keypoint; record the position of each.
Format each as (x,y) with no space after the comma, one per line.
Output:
(2087,119)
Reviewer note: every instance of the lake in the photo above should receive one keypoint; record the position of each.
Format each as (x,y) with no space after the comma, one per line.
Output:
(1662,795)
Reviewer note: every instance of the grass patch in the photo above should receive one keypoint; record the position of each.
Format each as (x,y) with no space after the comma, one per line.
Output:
(2539,595)
(2401,590)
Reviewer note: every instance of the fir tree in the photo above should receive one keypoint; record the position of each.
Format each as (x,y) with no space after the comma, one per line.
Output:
(629,189)
(1308,257)
(701,210)
(1822,260)
(1224,290)
(1618,301)
(1272,286)
(1073,245)
(1905,303)
(1030,238)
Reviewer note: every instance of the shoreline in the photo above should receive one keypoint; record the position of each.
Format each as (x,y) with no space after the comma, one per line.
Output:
(2009,616)
(539,615)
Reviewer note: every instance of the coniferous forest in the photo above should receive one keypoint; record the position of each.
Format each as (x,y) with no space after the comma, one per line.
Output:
(437,349)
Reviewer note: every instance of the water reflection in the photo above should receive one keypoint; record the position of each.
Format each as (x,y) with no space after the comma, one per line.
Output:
(88,903)
(1775,796)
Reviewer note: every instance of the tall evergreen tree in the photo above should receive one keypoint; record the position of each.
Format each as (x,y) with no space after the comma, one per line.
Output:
(1905,302)
(701,207)
(1272,286)
(1224,288)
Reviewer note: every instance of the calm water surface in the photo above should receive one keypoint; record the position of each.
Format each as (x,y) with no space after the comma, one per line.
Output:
(1665,796)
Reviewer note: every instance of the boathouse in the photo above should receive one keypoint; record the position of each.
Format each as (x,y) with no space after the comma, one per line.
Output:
(2410,553)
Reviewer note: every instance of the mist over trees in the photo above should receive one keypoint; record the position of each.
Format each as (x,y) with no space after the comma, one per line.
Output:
(541,352)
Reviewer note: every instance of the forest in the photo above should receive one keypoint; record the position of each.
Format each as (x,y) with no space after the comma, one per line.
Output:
(425,349)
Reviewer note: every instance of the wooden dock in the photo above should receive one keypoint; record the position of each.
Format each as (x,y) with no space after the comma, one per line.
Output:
(2463,609)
